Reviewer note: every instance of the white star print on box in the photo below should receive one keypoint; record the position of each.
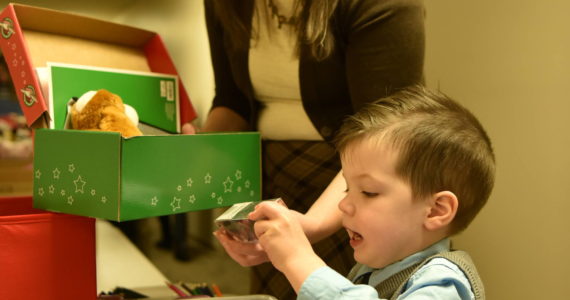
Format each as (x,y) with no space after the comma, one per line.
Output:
(56,173)
(79,184)
(61,183)
(76,191)
(228,185)
(175,204)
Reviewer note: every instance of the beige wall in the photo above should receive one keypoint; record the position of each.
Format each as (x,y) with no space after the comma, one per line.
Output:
(181,25)
(509,62)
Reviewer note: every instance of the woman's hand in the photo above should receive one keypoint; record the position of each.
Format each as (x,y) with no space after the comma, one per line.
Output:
(189,128)
(219,119)
(245,254)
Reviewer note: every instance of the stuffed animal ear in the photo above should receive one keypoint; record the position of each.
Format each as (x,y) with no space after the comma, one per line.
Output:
(83,100)
(132,114)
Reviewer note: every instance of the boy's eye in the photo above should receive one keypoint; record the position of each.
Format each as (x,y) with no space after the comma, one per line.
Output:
(369,194)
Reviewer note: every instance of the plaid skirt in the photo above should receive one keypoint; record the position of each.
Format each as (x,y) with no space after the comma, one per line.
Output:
(298,172)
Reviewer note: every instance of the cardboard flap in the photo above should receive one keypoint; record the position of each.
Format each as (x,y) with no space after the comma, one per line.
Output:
(79,172)
(67,24)
(153,95)
(15,53)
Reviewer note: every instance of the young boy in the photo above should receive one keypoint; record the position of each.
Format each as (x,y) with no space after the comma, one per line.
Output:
(418,168)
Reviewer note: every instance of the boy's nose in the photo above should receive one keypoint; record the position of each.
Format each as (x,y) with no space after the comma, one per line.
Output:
(345,206)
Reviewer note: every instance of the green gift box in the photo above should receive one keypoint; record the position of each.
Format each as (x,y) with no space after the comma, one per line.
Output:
(102,175)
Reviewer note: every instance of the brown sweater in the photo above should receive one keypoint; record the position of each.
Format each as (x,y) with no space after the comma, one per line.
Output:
(379,48)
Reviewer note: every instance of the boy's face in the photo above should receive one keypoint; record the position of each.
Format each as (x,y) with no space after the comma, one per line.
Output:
(383,221)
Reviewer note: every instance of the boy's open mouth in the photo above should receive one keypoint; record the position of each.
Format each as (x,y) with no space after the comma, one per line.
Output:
(354,236)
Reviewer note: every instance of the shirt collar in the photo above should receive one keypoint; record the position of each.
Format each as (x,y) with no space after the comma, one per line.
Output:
(379,275)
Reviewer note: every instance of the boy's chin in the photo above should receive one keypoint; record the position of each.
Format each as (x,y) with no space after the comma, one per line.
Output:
(370,262)
(363,260)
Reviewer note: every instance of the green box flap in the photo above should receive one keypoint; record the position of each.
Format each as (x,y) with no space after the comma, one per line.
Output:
(153,95)
(77,172)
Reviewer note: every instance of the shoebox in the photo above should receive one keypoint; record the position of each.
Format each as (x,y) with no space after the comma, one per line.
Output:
(33,36)
(101,174)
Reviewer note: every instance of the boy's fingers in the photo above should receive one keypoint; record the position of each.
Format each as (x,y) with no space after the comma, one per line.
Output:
(281,202)
(267,210)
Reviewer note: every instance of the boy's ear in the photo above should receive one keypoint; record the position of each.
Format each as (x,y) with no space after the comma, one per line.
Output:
(442,210)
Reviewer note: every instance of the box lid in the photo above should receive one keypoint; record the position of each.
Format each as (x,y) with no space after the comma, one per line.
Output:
(33,36)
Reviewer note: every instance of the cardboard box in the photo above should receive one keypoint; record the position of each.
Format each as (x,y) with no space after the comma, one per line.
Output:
(33,36)
(125,179)
(45,255)
(101,174)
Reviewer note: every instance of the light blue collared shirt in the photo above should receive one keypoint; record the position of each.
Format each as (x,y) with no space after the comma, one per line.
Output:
(438,278)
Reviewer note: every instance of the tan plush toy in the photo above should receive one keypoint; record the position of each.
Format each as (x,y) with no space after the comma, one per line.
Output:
(104,111)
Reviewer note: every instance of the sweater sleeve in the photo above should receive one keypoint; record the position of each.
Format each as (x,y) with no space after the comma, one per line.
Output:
(227,92)
(385,44)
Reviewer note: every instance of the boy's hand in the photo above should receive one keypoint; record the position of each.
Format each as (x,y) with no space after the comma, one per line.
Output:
(246,254)
(283,239)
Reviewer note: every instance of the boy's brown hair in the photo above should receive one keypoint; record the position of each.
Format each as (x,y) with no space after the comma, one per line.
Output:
(441,146)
